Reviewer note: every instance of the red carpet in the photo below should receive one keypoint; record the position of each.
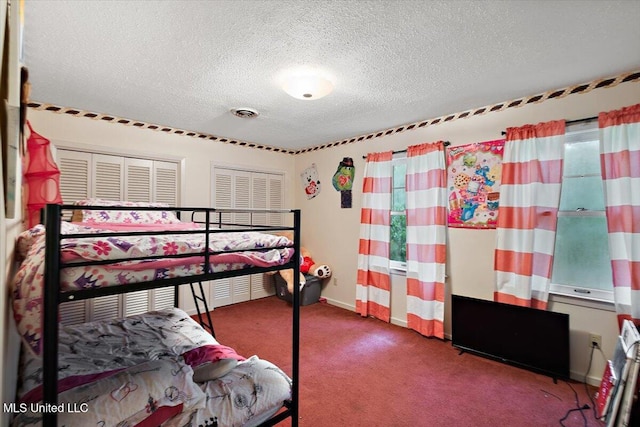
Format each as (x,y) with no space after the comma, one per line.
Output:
(358,371)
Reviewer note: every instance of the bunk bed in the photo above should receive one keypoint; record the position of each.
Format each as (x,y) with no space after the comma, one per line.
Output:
(203,248)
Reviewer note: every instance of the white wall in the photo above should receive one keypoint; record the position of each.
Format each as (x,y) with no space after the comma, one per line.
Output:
(9,228)
(331,233)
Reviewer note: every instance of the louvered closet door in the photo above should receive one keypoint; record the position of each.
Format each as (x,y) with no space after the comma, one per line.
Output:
(267,194)
(259,197)
(143,301)
(137,180)
(104,308)
(75,179)
(276,198)
(232,189)
(164,190)
(165,183)
(75,184)
(73,313)
(260,286)
(137,188)
(85,175)
(220,290)
(227,184)
(107,177)
(140,185)
(223,192)
(241,189)
(107,183)
(242,197)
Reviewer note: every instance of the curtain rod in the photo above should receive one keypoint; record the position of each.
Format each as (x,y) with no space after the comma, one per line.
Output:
(446,144)
(572,122)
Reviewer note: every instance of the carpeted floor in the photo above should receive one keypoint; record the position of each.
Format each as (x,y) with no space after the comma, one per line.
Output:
(358,371)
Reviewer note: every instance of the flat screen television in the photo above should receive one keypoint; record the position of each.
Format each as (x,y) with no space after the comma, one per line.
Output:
(530,338)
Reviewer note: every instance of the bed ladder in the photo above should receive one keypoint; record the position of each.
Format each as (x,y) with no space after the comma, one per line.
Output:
(197,298)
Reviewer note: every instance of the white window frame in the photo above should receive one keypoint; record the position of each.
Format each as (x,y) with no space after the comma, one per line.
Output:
(581,133)
(399,266)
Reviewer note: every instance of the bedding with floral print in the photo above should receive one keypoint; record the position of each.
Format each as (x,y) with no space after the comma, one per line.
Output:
(228,251)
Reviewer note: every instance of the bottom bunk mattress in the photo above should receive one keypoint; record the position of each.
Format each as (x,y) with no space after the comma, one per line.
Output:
(158,368)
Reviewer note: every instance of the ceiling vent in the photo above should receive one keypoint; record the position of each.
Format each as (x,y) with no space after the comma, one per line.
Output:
(245,113)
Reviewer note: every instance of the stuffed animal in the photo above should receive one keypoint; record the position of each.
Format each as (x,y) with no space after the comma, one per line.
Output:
(307,266)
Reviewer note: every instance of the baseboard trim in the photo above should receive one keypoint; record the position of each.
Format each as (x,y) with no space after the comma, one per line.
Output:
(591,380)
(398,322)
(340,304)
(393,320)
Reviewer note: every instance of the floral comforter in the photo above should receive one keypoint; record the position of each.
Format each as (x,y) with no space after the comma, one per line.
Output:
(29,281)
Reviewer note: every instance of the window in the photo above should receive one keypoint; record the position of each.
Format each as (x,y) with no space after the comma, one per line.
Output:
(581,265)
(398,245)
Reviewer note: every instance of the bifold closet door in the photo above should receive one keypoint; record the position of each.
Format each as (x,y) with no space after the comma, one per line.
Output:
(245,189)
(89,175)
(267,193)
(232,191)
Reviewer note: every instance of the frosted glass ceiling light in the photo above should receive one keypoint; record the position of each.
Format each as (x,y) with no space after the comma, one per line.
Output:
(307,86)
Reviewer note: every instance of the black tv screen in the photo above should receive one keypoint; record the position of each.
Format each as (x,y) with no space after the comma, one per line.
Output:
(527,337)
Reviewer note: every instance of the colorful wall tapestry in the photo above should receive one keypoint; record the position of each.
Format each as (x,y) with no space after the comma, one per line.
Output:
(473,182)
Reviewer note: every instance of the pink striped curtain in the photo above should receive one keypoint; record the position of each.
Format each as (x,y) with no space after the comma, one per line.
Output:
(426,237)
(620,160)
(374,283)
(527,216)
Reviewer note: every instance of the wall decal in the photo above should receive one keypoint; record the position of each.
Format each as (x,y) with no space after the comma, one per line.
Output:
(343,181)
(310,181)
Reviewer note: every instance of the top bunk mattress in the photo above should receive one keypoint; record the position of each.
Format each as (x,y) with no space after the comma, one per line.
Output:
(226,251)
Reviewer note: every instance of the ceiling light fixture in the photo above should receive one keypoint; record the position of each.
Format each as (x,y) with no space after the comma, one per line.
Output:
(307,85)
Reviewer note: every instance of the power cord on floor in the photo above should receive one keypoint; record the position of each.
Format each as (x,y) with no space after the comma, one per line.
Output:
(575,393)
(585,406)
(582,408)
(577,408)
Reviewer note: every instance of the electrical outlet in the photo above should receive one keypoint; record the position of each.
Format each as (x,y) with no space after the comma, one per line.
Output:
(335,281)
(595,340)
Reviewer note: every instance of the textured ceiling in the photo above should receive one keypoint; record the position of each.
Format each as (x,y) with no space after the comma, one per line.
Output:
(185,64)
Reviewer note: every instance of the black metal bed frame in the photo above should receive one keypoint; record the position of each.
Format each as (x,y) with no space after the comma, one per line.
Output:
(52,216)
